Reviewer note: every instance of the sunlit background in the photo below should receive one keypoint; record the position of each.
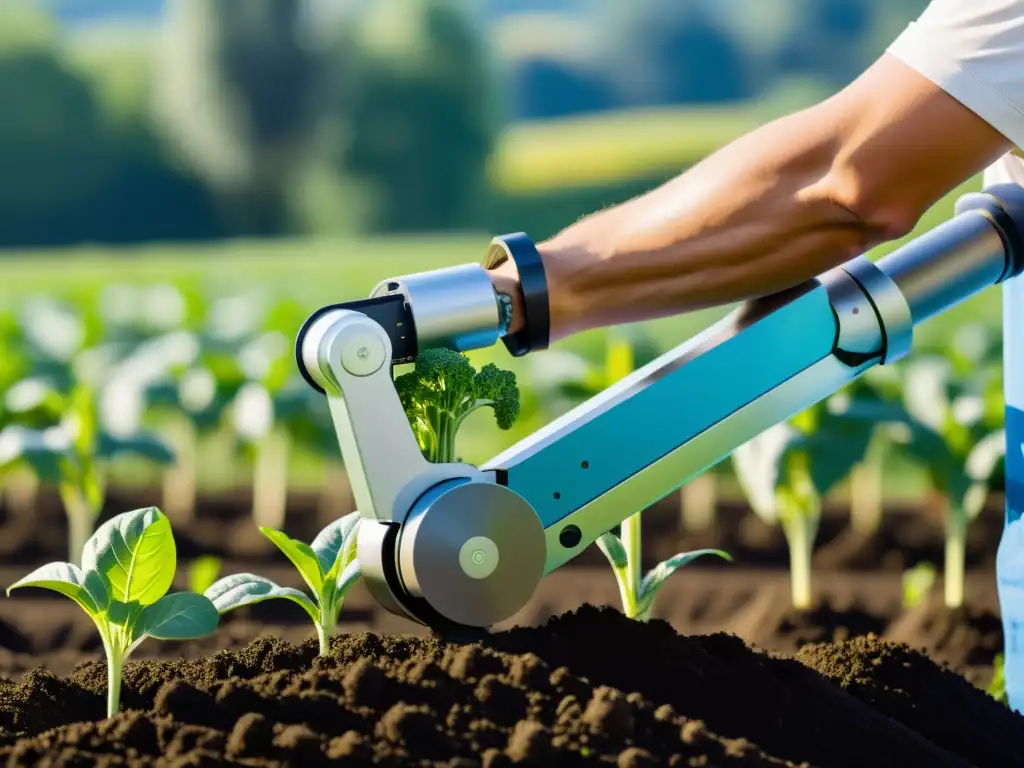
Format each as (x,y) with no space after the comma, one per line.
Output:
(183,182)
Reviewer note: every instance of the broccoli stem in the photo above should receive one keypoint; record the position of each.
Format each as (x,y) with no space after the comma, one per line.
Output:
(956,554)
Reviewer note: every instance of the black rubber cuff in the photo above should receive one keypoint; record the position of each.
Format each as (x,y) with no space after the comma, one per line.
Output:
(533,281)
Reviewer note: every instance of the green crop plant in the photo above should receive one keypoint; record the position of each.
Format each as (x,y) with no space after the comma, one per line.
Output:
(328,566)
(917,582)
(443,389)
(787,471)
(877,390)
(61,438)
(127,567)
(637,590)
(951,425)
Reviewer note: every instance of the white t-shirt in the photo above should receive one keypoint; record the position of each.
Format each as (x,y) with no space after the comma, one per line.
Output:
(974,51)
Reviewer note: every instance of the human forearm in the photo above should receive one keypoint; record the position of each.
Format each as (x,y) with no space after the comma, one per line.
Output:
(776,207)
(754,218)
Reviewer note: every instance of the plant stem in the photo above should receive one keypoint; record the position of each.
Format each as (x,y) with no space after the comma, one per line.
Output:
(324,631)
(81,519)
(801,547)
(270,480)
(20,493)
(956,555)
(179,485)
(632,543)
(115,665)
(866,491)
(697,500)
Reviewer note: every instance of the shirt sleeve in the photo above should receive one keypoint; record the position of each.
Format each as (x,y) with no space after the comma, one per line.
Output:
(974,51)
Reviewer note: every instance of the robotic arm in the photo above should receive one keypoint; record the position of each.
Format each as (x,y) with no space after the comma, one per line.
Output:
(456,546)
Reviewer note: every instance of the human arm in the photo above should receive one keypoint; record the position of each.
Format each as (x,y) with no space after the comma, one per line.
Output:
(773,208)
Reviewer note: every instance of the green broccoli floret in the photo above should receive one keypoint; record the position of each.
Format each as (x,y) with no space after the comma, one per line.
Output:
(443,389)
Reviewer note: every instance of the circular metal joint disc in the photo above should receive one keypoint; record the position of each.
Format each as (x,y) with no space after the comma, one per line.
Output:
(474,551)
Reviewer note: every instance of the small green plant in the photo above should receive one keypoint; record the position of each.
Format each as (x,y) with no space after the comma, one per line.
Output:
(637,590)
(202,573)
(328,566)
(127,567)
(443,389)
(787,471)
(917,583)
(951,424)
(60,437)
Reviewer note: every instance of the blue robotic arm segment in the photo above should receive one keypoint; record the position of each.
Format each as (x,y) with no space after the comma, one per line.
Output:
(652,412)
(448,544)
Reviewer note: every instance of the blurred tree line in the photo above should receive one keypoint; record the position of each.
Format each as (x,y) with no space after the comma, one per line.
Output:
(273,117)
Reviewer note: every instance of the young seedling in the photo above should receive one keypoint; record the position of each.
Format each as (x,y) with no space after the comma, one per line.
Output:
(127,567)
(62,440)
(788,470)
(952,427)
(328,566)
(636,589)
(917,583)
(443,389)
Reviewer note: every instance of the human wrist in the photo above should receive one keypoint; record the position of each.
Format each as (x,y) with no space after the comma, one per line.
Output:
(507,287)
(520,283)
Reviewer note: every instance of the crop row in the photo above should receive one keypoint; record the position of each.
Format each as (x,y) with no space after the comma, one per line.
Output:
(149,373)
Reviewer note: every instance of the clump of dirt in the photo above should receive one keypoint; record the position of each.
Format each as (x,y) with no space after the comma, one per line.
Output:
(589,687)
(827,622)
(911,689)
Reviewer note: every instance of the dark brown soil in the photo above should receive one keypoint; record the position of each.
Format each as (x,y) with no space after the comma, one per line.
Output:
(643,695)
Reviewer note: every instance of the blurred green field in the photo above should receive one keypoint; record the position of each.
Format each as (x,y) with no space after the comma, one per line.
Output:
(321,271)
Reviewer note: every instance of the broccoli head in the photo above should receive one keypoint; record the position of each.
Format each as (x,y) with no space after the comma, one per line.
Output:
(443,388)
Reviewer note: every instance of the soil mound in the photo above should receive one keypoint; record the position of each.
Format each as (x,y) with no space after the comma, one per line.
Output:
(588,688)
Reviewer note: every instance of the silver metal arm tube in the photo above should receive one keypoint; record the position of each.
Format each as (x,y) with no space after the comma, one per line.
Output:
(643,438)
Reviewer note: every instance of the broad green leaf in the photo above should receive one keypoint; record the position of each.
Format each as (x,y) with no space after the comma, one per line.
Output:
(65,578)
(651,583)
(45,451)
(248,589)
(757,464)
(301,555)
(835,448)
(612,547)
(330,543)
(347,578)
(202,573)
(135,551)
(178,616)
(142,445)
(98,588)
(35,402)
